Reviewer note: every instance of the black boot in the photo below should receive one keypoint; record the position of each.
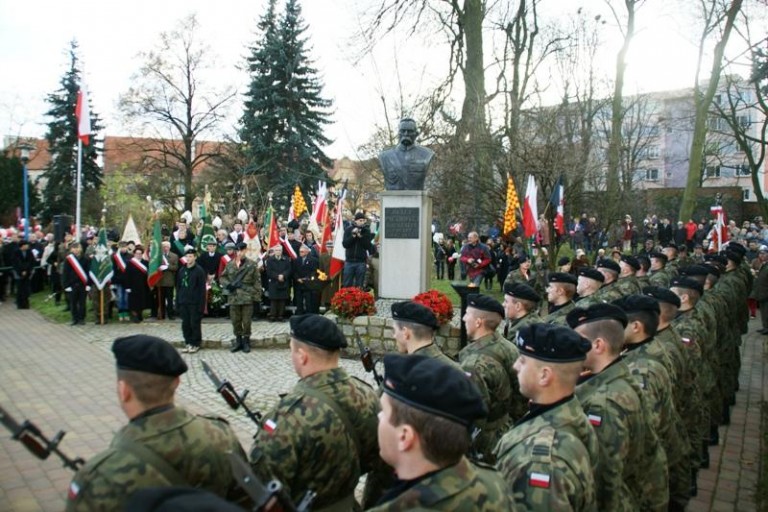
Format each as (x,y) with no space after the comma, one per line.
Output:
(246,344)
(694,486)
(714,435)
(704,455)
(726,413)
(237,345)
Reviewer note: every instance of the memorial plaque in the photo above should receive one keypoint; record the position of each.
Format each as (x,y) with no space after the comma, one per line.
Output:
(401,223)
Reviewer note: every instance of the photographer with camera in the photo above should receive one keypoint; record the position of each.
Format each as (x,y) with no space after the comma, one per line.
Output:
(357,242)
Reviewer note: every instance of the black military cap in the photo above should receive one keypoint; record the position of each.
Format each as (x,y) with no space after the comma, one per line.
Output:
(409,311)
(485,303)
(714,270)
(659,255)
(521,291)
(637,303)
(562,277)
(433,386)
(686,282)
(591,273)
(189,250)
(241,246)
(553,343)
(522,258)
(318,331)
(177,499)
(696,270)
(736,247)
(595,312)
(662,295)
(563,261)
(631,261)
(609,264)
(717,258)
(148,354)
(670,245)
(734,255)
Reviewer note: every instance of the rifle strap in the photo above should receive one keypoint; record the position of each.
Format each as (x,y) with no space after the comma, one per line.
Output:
(148,456)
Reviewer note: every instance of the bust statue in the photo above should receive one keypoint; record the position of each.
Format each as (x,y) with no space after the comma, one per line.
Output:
(405,165)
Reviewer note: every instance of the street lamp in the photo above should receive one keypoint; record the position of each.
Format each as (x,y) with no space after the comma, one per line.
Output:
(25,149)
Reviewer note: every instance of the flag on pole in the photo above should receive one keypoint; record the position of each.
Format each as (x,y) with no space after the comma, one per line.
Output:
(101,269)
(320,208)
(327,233)
(207,233)
(299,204)
(271,224)
(251,238)
(83,114)
(513,204)
(558,205)
(155,256)
(530,208)
(720,229)
(130,233)
(338,256)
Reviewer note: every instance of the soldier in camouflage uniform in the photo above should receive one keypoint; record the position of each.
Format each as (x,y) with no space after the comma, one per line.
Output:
(241,283)
(322,435)
(414,328)
(162,445)
(632,470)
(643,279)
(627,282)
(649,364)
(550,456)
(489,359)
(610,290)
(521,308)
(658,275)
(427,413)
(561,289)
(589,282)
(673,264)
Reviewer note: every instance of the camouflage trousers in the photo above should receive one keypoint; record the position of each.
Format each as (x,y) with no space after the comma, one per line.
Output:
(240,315)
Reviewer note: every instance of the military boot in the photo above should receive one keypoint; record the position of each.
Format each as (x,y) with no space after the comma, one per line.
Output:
(237,345)
(694,486)
(726,413)
(714,435)
(246,344)
(704,455)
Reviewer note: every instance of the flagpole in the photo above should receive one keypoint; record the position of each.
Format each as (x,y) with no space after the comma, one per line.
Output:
(78,234)
(101,306)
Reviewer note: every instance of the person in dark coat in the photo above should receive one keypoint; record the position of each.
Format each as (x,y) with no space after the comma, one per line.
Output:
(304,271)
(190,301)
(23,265)
(279,275)
(210,259)
(136,284)
(76,283)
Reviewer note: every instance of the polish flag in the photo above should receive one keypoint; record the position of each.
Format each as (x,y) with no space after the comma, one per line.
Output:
(338,256)
(530,208)
(539,480)
(83,115)
(558,204)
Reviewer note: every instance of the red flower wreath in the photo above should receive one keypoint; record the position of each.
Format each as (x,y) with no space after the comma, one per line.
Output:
(439,303)
(351,302)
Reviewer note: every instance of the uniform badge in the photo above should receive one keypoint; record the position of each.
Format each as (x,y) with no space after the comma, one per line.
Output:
(270,426)
(74,490)
(687,341)
(595,420)
(539,480)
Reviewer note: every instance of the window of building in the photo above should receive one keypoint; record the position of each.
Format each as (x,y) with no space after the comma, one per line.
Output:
(651,175)
(714,123)
(712,171)
(652,152)
(742,170)
(744,121)
(745,194)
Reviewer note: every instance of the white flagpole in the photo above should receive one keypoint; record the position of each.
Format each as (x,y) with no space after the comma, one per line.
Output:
(78,235)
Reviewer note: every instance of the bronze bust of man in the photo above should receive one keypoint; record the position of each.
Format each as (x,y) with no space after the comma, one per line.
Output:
(405,166)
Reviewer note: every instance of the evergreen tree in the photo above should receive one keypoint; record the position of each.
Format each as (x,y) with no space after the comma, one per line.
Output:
(59,195)
(12,178)
(284,114)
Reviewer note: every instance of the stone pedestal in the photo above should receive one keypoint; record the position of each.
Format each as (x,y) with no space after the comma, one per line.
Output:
(405,235)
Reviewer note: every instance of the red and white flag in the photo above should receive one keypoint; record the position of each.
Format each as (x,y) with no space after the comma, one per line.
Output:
(83,114)
(720,229)
(338,256)
(530,208)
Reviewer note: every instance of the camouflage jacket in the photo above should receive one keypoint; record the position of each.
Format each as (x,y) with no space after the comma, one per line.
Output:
(632,469)
(684,386)
(557,317)
(195,446)
(433,351)
(550,460)
(249,279)
(511,328)
(585,302)
(607,293)
(628,286)
(660,278)
(306,445)
(463,487)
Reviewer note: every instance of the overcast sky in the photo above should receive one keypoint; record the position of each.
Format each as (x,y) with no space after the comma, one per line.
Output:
(35,35)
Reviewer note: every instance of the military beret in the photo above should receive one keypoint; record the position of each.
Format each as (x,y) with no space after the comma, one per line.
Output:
(485,303)
(148,354)
(644,261)
(686,282)
(660,256)
(713,269)
(609,264)
(318,331)
(241,246)
(662,295)
(736,247)
(177,499)
(433,386)
(189,250)
(553,343)
(717,258)
(562,277)
(670,245)
(591,273)
(637,303)
(734,255)
(696,270)
(563,261)
(522,258)
(595,312)
(521,291)
(230,245)
(409,311)
(631,261)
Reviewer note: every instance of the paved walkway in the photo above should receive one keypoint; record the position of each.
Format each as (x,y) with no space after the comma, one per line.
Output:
(63,378)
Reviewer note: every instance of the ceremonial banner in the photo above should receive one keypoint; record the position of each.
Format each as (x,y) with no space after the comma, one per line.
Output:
(339,255)
(530,208)
(155,256)
(513,204)
(558,206)
(101,267)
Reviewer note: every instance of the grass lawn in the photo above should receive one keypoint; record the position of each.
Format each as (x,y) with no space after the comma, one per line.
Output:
(48,308)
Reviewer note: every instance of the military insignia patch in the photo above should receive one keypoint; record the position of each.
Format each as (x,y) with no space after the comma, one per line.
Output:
(687,341)
(270,426)
(539,480)
(74,490)
(595,420)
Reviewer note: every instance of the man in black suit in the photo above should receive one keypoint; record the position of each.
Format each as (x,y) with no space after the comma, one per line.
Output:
(304,271)
(23,265)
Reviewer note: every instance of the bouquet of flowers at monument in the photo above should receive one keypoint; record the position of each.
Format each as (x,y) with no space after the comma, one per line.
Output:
(439,303)
(217,301)
(351,302)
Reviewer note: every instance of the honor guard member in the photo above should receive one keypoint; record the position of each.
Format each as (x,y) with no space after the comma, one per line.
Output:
(521,308)
(488,359)
(321,436)
(561,289)
(670,251)
(627,282)
(658,276)
(241,283)
(414,328)
(588,283)
(610,290)
(428,410)
(643,279)
(632,470)
(162,445)
(550,456)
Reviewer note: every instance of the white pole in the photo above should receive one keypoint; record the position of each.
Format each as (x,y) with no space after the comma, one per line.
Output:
(78,235)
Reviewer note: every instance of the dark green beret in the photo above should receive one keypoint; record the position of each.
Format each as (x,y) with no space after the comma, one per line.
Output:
(609,264)
(686,282)
(409,311)
(433,386)
(318,331)
(485,303)
(659,255)
(595,312)
(631,261)
(638,303)
(553,343)
(662,295)
(521,291)
(562,277)
(591,273)
(149,354)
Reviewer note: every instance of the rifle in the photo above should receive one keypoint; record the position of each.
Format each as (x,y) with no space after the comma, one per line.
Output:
(233,399)
(366,357)
(36,442)
(271,497)
(474,453)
